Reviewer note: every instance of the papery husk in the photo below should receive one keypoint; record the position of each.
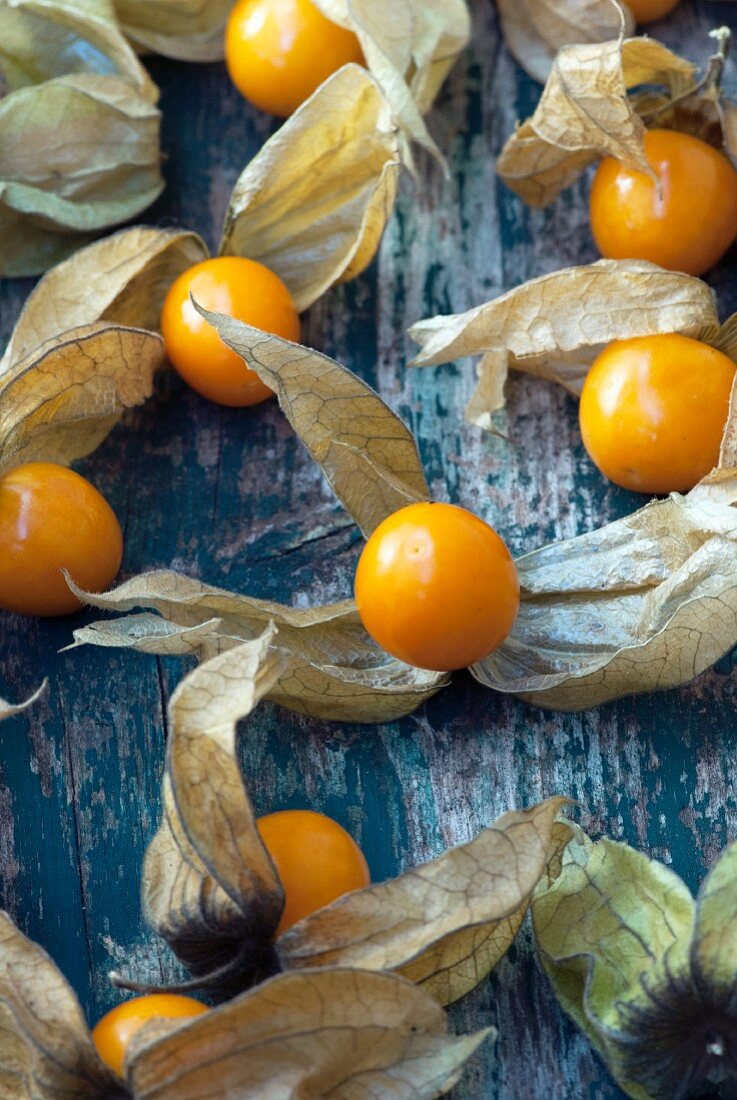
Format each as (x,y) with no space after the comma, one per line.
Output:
(645,970)
(79,130)
(44,39)
(74,363)
(186,30)
(354,1034)
(97,165)
(313,203)
(367,454)
(554,326)
(210,889)
(535,30)
(332,669)
(585,113)
(346,1034)
(63,399)
(122,279)
(445,924)
(46,1051)
(409,46)
(643,604)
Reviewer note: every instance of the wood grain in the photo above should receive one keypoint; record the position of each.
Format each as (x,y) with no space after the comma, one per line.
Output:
(230,496)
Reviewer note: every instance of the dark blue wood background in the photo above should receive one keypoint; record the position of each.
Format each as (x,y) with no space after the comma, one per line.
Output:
(229,496)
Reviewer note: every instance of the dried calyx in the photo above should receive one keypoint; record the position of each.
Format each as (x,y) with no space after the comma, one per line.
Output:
(628,607)
(536,30)
(211,890)
(593,106)
(351,1034)
(647,971)
(79,130)
(74,362)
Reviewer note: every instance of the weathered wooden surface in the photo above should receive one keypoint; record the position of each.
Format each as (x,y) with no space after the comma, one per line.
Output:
(229,496)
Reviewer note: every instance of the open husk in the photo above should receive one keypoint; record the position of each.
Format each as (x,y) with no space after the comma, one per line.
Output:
(410,47)
(647,602)
(593,106)
(211,890)
(79,130)
(645,969)
(352,1034)
(313,203)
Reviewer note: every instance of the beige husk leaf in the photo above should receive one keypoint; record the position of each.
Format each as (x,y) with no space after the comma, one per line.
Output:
(122,279)
(535,30)
(210,889)
(368,455)
(46,1052)
(445,924)
(61,401)
(645,603)
(79,130)
(331,669)
(347,1034)
(313,203)
(585,113)
(410,47)
(44,39)
(554,326)
(187,30)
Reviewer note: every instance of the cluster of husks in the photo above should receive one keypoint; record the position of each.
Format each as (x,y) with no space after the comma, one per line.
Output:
(356,1010)
(649,974)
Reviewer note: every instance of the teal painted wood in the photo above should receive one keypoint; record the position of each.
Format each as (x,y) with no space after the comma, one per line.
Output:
(231,497)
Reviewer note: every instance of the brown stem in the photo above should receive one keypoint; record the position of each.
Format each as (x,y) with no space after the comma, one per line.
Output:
(231,973)
(712,77)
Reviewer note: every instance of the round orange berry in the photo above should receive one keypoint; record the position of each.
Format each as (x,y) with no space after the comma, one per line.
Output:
(242,289)
(278,52)
(653,410)
(436,587)
(315,858)
(52,519)
(113,1034)
(684,222)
